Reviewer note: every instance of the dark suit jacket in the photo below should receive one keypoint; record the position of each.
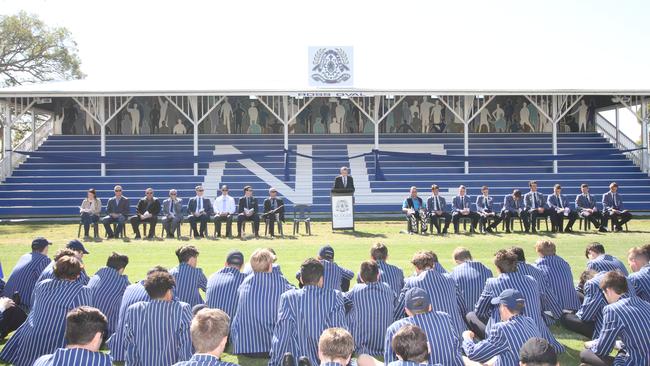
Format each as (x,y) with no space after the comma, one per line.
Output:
(207,206)
(443,204)
(243,205)
(338,183)
(144,206)
(176,210)
(278,202)
(123,208)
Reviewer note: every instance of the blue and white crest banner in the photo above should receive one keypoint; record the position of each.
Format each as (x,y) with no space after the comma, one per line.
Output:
(331,66)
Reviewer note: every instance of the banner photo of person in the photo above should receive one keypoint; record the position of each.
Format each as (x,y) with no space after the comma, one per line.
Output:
(324,115)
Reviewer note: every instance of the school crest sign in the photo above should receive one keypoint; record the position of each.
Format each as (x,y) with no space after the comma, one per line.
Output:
(330,66)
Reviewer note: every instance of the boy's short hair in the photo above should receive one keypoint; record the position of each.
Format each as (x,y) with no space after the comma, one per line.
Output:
(261,259)
(369,271)
(208,328)
(82,324)
(410,343)
(379,251)
(186,252)
(336,343)
(158,283)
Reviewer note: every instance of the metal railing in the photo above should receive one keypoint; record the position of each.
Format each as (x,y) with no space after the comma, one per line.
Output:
(620,140)
(31,142)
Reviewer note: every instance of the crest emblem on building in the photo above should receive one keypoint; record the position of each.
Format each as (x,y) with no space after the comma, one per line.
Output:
(330,66)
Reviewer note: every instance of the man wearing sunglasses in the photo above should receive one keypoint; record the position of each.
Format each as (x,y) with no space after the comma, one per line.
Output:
(147,211)
(200,210)
(172,208)
(118,210)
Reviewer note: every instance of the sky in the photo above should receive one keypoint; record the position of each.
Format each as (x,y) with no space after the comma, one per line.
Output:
(398,45)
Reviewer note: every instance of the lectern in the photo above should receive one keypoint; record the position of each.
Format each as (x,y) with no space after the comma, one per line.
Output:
(342,209)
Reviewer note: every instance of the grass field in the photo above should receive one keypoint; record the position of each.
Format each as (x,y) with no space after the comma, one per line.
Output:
(351,248)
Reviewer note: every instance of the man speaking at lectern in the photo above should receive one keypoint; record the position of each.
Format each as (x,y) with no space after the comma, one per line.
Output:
(344,182)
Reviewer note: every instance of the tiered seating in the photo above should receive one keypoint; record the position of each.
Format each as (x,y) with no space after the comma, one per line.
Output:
(46,186)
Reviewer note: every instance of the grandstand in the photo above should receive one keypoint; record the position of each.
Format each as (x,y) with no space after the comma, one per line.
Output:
(296,141)
(45,186)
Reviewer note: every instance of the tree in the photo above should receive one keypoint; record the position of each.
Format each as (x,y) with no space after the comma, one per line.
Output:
(31,51)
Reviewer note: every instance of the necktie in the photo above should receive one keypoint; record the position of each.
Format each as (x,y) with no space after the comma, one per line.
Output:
(516,204)
(224,203)
(248,202)
(437,203)
(345,181)
(199,207)
(614,197)
(559,200)
(534,199)
(587,197)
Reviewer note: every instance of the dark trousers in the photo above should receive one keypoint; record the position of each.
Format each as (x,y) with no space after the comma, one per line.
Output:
(136,221)
(588,357)
(435,220)
(456,216)
(557,220)
(596,218)
(484,219)
(573,323)
(271,220)
(617,219)
(87,219)
(476,324)
(109,220)
(202,220)
(255,218)
(530,219)
(217,224)
(171,224)
(508,218)
(12,318)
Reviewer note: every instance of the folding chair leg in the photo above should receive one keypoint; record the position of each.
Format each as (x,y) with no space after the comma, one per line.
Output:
(79,231)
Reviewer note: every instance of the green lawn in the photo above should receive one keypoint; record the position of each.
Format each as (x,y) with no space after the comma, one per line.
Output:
(351,248)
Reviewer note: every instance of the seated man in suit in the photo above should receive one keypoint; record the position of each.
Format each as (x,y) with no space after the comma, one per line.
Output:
(344,181)
(200,210)
(117,210)
(559,206)
(415,210)
(274,211)
(437,207)
(513,206)
(613,208)
(248,211)
(485,209)
(586,207)
(461,208)
(147,211)
(172,212)
(535,205)
(225,209)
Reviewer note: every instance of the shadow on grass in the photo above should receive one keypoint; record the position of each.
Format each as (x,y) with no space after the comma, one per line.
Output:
(360,234)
